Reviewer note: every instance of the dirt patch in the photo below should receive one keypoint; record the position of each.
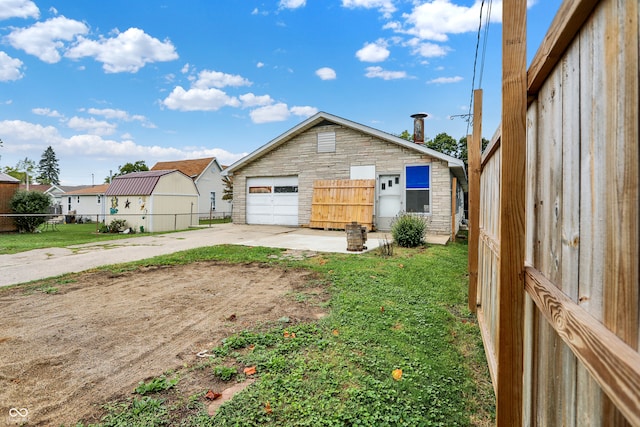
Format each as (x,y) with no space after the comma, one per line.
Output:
(88,342)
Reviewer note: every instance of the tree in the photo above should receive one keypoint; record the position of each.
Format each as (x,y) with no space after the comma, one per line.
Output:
(139,166)
(406,135)
(227,191)
(464,152)
(29,202)
(445,144)
(27,167)
(48,170)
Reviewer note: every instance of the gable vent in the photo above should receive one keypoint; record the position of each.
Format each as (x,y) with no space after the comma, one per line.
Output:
(326,142)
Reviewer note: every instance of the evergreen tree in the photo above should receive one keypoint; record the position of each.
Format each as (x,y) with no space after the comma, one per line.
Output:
(48,170)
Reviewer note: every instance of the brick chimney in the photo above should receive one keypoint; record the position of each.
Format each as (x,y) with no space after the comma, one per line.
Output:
(418,127)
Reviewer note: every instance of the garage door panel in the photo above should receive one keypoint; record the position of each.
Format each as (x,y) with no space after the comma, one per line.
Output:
(272,200)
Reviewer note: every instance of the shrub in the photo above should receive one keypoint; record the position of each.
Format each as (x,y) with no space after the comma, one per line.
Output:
(29,202)
(117,225)
(409,230)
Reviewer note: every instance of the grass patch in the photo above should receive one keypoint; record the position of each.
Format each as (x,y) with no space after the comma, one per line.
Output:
(403,312)
(67,235)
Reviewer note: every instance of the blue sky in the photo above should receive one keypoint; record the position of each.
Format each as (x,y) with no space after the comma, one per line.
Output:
(110,82)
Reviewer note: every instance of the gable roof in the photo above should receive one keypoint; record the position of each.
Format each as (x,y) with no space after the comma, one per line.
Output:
(8,178)
(455,165)
(192,168)
(41,188)
(89,191)
(137,183)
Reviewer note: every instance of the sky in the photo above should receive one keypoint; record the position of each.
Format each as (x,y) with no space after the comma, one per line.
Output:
(105,83)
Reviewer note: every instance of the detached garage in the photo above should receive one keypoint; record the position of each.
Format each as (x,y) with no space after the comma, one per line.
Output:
(328,171)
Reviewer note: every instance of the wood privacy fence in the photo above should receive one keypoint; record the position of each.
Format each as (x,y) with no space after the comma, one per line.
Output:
(338,202)
(562,337)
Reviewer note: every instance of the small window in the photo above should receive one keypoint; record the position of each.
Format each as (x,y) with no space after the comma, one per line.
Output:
(418,189)
(213,200)
(260,190)
(78,200)
(285,189)
(99,199)
(326,142)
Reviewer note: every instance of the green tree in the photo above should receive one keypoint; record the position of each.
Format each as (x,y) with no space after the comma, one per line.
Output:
(29,202)
(227,191)
(139,166)
(27,167)
(48,170)
(464,152)
(14,172)
(406,135)
(445,144)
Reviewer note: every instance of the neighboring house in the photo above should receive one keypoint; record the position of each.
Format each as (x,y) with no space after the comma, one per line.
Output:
(206,173)
(274,184)
(8,187)
(60,200)
(87,203)
(153,201)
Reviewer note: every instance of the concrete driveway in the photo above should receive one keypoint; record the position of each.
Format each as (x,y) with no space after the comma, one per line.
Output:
(43,263)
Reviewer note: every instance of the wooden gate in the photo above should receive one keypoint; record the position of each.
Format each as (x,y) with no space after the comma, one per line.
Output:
(338,202)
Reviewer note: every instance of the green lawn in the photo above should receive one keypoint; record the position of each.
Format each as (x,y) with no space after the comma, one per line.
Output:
(66,235)
(406,312)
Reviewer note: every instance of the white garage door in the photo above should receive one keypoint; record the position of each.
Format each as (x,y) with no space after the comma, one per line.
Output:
(272,200)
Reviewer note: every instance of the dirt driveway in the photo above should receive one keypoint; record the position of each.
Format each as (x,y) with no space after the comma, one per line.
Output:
(65,352)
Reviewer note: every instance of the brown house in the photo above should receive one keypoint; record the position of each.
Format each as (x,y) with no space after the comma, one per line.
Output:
(8,187)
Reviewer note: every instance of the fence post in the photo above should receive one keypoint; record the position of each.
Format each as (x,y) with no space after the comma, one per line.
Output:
(512,215)
(474,146)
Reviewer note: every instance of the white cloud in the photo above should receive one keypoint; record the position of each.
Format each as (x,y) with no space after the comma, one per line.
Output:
(326,73)
(185,68)
(198,99)
(446,80)
(271,113)
(373,52)
(10,68)
(47,112)
(427,49)
(217,79)
(91,125)
(260,64)
(303,111)
(45,39)
(436,19)
(127,52)
(111,114)
(292,4)
(18,9)
(250,100)
(380,73)
(385,6)
(28,135)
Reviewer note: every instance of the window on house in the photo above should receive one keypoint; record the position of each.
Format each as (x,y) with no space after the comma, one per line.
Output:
(326,142)
(260,189)
(418,189)
(285,189)
(99,199)
(213,200)
(78,199)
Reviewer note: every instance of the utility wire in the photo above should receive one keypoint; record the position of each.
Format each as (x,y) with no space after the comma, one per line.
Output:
(475,61)
(484,41)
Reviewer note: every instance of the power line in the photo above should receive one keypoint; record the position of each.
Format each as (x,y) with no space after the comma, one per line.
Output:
(475,61)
